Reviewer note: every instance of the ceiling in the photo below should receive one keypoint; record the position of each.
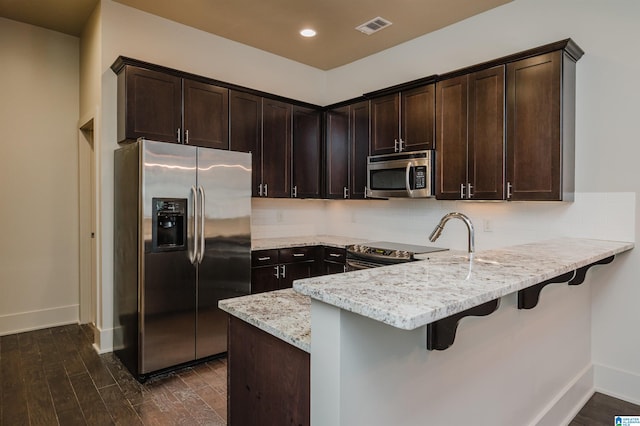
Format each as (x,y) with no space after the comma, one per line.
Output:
(274,25)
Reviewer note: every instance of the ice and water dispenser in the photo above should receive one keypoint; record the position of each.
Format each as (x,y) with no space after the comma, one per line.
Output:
(169,224)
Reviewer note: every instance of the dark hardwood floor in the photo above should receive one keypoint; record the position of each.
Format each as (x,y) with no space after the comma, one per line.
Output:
(601,410)
(54,377)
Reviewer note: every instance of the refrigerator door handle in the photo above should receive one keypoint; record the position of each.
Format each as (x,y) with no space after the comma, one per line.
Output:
(193,250)
(201,230)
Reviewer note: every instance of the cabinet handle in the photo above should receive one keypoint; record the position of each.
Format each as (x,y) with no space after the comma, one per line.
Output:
(186,137)
(395,145)
(509,190)
(462,191)
(178,135)
(260,190)
(277,274)
(402,145)
(335,255)
(469,192)
(262,259)
(298,254)
(266,193)
(295,191)
(284,271)
(345,192)
(366,192)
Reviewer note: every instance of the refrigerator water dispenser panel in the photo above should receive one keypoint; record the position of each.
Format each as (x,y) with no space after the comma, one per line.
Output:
(169,224)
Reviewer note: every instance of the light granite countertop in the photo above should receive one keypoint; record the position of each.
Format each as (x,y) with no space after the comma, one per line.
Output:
(313,240)
(411,295)
(281,313)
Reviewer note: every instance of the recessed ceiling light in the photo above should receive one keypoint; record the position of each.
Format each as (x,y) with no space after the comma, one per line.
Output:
(308,32)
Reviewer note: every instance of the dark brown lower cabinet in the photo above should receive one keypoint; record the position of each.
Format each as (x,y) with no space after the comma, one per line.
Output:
(275,269)
(268,379)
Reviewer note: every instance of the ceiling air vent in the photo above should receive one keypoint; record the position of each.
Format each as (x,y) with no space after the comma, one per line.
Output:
(374,25)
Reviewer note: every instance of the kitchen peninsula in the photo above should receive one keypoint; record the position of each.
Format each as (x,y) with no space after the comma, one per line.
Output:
(371,365)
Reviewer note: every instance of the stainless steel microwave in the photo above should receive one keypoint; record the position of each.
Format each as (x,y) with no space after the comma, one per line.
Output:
(403,175)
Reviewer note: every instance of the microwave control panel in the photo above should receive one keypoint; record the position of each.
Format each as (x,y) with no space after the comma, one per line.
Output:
(420,177)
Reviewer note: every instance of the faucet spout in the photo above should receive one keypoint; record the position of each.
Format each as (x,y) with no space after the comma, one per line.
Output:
(471,234)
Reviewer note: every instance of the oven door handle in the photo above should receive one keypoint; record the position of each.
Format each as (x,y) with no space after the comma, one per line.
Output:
(410,164)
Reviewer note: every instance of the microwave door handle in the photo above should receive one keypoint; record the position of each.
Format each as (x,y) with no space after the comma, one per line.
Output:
(407,181)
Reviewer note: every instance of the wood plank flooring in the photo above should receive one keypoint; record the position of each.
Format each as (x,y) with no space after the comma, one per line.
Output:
(54,377)
(601,410)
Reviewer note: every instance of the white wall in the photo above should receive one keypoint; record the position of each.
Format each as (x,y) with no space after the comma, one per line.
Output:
(38,177)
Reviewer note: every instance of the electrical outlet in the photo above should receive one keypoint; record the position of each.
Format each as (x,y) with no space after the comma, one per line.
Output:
(487,226)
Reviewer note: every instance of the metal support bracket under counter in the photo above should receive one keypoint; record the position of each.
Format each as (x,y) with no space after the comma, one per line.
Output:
(442,333)
(528,298)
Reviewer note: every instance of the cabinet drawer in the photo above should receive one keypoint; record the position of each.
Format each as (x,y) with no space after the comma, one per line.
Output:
(334,254)
(296,254)
(264,257)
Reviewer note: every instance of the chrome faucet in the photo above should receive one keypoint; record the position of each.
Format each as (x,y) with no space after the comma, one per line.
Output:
(438,229)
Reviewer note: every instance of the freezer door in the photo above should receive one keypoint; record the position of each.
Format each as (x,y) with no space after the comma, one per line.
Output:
(225,269)
(168,294)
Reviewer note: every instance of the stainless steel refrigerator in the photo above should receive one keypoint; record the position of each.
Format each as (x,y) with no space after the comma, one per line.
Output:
(182,243)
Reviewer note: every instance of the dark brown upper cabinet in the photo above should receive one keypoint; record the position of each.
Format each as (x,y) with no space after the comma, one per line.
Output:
(347,148)
(470,129)
(307,153)
(149,105)
(163,107)
(403,121)
(206,115)
(276,149)
(245,132)
(540,127)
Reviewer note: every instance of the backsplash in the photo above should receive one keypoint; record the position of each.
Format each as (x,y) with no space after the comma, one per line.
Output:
(592,215)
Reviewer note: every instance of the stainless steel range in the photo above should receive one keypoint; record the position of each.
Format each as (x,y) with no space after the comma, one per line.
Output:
(382,253)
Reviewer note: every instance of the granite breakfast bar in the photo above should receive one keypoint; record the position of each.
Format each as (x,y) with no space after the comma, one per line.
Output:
(370,363)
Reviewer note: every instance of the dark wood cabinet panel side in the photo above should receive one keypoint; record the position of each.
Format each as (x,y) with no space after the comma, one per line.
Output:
(486,134)
(269,380)
(359,141)
(451,152)
(385,128)
(307,153)
(533,128)
(245,131)
(418,118)
(206,115)
(151,104)
(276,148)
(337,152)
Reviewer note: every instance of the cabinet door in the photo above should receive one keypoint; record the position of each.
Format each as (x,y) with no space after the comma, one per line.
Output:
(486,134)
(359,141)
(264,278)
(451,152)
(337,152)
(334,268)
(276,148)
(295,271)
(385,128)
(206,115)
(245,131)
(151,105)
(418,118)
(534,143)
(307,153)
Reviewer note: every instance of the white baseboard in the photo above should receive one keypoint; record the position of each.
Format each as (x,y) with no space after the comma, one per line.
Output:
(620,384)
(103,340)
(36,320)
(568,402)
